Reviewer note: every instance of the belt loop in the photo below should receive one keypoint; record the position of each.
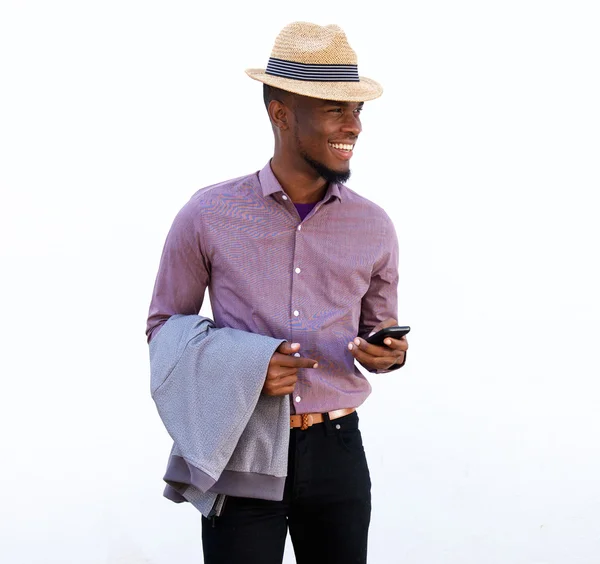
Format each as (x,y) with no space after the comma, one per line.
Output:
(327,424)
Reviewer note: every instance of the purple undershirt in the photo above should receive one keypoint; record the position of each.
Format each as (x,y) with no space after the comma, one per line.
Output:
(304,209)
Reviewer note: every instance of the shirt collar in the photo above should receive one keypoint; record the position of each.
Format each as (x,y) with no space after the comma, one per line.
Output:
(270,185)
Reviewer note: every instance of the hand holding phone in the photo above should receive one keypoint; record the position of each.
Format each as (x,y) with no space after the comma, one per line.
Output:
(395,332)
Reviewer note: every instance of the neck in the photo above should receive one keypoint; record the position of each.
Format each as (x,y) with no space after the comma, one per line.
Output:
(300,182)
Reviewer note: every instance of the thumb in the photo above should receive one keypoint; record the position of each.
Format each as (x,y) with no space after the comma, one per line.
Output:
(288,348)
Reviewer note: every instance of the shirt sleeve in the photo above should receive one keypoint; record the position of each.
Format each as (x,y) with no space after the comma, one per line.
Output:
(380,302)
(183,272)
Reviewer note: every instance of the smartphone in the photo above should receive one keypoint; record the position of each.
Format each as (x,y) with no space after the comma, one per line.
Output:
(395,332)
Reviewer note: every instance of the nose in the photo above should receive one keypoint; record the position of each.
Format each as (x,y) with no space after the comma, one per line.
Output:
(352,124)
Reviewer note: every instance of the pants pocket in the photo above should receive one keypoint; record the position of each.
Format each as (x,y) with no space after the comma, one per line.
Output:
(350,439)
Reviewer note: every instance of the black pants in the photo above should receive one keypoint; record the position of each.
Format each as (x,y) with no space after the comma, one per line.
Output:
(326,505)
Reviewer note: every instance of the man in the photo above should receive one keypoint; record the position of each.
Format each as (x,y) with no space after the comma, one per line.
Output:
(291,253)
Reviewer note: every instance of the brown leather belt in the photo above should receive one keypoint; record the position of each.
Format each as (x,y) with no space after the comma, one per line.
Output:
(306,420)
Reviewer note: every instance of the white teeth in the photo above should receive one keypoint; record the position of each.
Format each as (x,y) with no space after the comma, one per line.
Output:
(342,146)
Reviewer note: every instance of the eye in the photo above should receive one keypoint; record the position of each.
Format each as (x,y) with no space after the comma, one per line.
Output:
(336,110)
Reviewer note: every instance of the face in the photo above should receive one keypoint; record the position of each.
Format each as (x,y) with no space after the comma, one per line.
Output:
(325,133)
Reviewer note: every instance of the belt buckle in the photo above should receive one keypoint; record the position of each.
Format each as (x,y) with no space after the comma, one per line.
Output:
(307,421)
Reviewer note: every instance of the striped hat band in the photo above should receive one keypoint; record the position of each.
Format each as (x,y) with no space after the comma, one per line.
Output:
(312,72)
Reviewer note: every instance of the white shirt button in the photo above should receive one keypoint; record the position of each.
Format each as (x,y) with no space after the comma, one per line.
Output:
(298,271)
(296,313)
(298,398)
(299,227)
(296,354)
(338,426)
(284,197)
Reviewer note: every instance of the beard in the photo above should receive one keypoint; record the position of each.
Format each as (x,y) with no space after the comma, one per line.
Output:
(330,175)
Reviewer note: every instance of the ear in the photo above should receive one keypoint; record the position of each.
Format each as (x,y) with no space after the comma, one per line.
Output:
(279,114)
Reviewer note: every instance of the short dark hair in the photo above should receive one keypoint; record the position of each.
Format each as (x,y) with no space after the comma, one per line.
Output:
(272,93)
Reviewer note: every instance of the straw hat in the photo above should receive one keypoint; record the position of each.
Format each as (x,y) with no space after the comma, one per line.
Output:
(316,61)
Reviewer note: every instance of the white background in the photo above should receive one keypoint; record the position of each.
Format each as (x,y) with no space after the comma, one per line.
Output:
(484,150)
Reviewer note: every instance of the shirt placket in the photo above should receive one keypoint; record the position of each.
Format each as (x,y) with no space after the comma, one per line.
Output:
(299,303)
(300,298)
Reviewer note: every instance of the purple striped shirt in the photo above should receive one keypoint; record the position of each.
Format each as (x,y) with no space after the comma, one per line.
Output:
(319,281)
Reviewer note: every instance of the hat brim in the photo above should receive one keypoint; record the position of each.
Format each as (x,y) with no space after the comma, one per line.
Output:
(366,89)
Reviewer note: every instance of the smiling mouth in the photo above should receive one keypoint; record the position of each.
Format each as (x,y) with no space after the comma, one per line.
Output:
(342,147)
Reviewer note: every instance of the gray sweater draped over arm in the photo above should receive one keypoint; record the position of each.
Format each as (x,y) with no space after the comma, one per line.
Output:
(228,438)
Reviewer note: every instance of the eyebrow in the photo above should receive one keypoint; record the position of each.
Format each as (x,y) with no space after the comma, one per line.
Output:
(338,103)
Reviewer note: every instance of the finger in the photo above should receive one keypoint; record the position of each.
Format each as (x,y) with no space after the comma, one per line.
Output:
(280,391)
(378,362)
(288,348)
(281,359)
(389,322)
(367,351)
(396,344)
(374,350)
(281,372)
(281,384)
(287,381)
(295,361)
